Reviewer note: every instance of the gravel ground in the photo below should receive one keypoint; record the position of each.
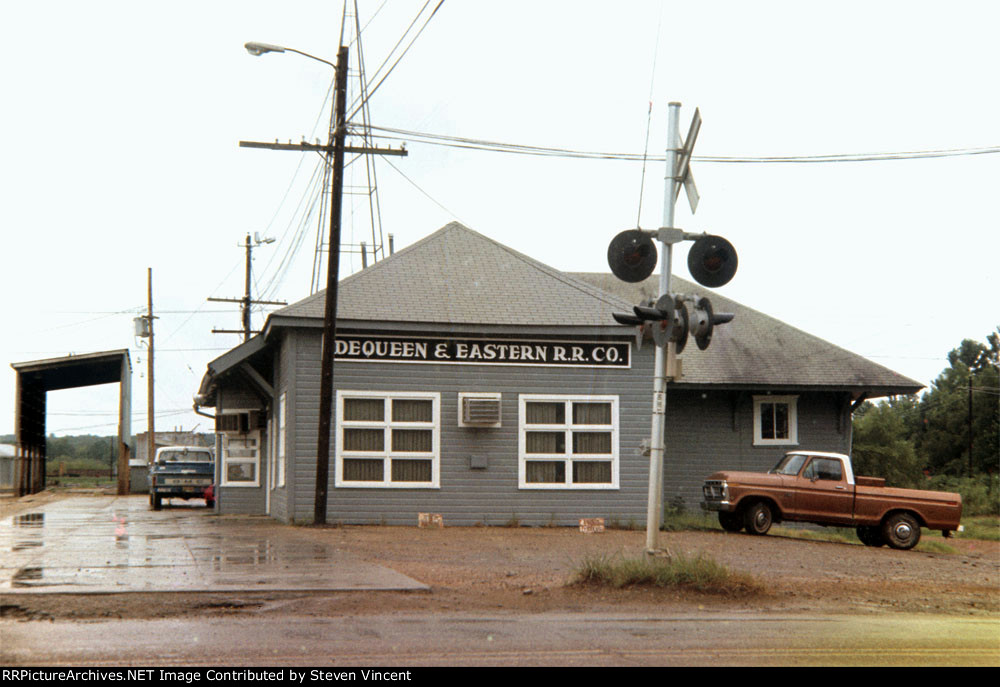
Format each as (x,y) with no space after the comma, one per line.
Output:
(530,570)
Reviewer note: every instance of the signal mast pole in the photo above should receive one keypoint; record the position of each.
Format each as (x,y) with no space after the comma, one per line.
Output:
(657,448)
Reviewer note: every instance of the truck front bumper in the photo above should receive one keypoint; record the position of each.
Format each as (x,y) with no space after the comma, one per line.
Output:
(717,506)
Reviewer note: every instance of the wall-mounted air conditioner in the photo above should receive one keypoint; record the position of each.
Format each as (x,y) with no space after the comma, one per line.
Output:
(479,410)
(243,422)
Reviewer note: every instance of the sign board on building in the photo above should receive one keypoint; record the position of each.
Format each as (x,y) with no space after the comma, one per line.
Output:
(442,350)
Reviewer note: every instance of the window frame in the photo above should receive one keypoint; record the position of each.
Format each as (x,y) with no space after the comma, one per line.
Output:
(793,421)
(227,460)
(567,457)
(387,424)
(280,436)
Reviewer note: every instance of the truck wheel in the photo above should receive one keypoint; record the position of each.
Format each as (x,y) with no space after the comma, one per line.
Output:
(758,518)
(154,501)
(731,522)
(901,531)
(870,536)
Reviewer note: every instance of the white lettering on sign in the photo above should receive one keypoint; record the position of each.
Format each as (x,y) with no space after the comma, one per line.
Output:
(483,352)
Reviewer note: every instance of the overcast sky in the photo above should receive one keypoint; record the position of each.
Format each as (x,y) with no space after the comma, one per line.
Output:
(121,122)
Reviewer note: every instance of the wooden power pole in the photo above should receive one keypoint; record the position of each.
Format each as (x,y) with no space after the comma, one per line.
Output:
(334,150)
(246,301)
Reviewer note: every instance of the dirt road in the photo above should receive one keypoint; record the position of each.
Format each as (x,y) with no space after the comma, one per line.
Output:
(529,570)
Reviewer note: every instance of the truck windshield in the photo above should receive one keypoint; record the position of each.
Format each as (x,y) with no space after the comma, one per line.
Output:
(789,465)
(184,457)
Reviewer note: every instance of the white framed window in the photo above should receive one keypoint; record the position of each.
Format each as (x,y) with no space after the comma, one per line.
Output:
(279,440)
(388,439)
(241,459)
(567,442)
(775,421)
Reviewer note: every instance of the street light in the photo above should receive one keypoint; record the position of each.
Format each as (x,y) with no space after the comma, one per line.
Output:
(335,150)
(257,49)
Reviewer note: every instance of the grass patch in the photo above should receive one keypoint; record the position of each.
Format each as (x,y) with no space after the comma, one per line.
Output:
(839,535)
(689,522)
(984,527)
(932,546)
(699,573)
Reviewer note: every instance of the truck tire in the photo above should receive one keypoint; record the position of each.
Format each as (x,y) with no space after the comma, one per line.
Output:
(731,522)
(901,531)
(758,518)
(154,501)
(870,536)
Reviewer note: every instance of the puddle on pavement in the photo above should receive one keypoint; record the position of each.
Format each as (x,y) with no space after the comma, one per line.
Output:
(29,520)
(26,577)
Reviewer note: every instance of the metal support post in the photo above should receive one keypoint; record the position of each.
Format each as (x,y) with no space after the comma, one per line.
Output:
(654,511)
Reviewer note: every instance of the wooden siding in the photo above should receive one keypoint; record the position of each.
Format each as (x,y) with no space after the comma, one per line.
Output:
(706,431)
(249,500)
(470,496)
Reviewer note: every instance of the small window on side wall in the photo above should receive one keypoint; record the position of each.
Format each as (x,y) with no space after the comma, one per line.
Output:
(775,421)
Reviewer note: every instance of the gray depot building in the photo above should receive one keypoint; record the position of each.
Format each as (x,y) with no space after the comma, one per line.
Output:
(475,382)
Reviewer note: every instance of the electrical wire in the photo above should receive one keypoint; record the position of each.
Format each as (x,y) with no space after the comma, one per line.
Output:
(392,133)
(371,89)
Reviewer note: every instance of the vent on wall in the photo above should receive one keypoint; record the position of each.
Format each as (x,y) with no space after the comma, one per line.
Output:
(479,410)
(240,422)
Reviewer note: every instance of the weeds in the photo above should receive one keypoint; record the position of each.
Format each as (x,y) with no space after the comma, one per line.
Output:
(699,573)
(932,546)
(677,522)
(985,527)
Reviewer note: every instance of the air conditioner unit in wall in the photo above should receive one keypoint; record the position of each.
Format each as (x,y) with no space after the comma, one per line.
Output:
(240,422)
(479,410)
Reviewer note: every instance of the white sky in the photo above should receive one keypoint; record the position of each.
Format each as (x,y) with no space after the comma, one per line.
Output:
(121,121)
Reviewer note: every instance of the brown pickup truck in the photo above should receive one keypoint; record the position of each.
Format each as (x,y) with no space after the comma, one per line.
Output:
(816,487)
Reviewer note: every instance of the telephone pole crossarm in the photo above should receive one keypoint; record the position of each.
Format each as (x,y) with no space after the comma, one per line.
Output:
(320,148)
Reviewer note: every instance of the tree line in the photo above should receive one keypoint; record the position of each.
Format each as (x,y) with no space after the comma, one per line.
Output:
(947,433)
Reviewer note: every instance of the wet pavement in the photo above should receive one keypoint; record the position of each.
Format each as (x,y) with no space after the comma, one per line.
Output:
(105,544)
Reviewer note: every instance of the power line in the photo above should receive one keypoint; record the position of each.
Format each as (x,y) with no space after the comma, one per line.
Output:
(548,151)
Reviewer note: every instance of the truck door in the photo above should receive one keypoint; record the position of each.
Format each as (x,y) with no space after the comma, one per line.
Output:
(821,491)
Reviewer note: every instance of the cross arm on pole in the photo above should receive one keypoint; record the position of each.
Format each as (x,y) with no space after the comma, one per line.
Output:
(321,148)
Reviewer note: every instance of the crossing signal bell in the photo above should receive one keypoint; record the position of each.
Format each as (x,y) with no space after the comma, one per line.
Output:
(632,255)
(712,261)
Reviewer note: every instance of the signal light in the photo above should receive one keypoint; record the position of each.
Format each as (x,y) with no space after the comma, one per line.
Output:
(712,261)
(632,255)
(704,320)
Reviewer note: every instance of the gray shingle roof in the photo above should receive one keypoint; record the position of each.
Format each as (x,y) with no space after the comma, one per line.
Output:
(457,276)
(756,349)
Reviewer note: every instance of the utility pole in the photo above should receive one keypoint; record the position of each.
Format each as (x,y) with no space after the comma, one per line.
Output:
(246,301)
(334,150)
(970,421)
(150,420)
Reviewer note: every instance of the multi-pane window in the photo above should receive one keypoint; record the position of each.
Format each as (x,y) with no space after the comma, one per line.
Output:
(241,459)
(775,420)
(568,442)
(387,439)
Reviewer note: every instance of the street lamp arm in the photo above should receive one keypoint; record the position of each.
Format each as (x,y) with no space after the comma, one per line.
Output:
(257,49)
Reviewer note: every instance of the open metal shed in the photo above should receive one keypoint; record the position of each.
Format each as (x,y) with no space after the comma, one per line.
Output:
(35,379)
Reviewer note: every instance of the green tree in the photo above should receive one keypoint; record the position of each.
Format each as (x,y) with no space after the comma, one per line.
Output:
(895,439)
(970,383)
(883,444)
